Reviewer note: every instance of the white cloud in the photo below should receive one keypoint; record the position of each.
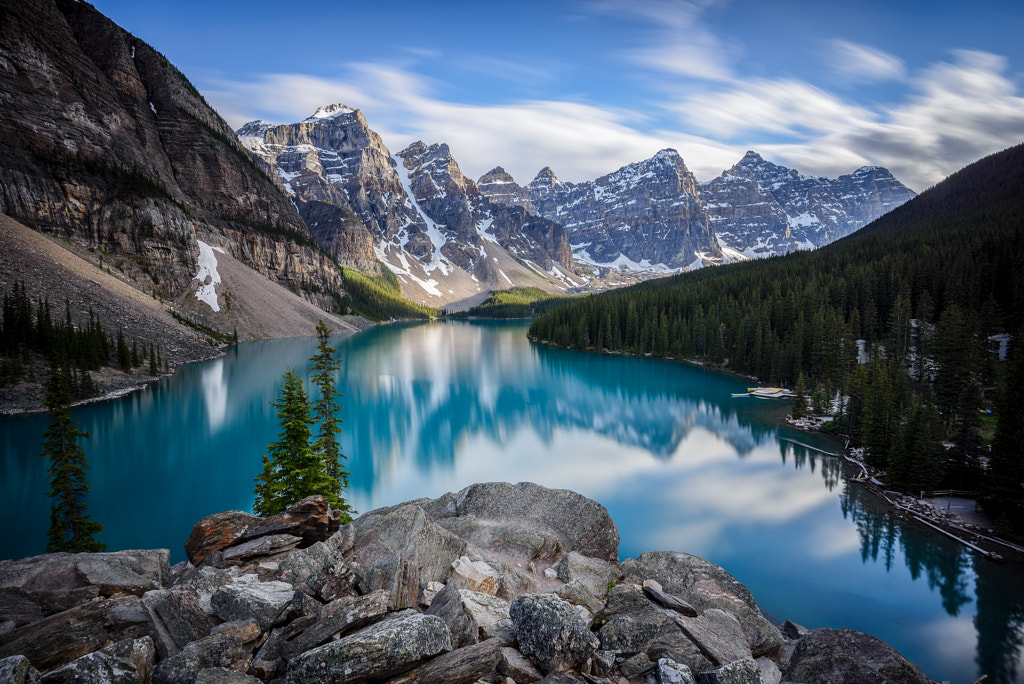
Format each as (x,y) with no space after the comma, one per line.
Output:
(863,64)
(679,44)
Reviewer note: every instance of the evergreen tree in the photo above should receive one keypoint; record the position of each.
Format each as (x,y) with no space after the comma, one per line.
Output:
(70,527)
(325,407)
(291,467)
(799,409)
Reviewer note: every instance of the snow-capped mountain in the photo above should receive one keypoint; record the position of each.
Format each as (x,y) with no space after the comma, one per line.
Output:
(758,208)
(429,223)
(645,216)
(654,216)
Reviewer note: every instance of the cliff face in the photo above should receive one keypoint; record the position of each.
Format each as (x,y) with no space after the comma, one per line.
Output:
(493,582)
(429,223)
(759,208)
(645,216)
(103,141)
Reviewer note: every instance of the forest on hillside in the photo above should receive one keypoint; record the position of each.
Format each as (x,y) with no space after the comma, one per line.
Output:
(920,294)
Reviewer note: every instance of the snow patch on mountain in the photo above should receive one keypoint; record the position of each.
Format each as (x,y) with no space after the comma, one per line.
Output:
(208,276)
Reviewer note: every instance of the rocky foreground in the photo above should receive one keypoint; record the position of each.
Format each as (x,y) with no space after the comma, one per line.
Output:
(502,583)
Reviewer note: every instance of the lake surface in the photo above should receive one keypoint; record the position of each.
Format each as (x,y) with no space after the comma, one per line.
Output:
(430,408)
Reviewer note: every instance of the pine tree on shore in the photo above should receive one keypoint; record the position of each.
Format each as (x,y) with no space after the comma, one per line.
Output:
(70,527)
(327,446)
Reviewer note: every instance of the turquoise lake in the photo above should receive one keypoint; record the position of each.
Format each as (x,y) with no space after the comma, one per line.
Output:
(679,463)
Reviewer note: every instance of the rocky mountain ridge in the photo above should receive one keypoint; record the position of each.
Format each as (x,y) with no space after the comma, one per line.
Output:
(653,215)
(106,144)
(425,220)
(498,582)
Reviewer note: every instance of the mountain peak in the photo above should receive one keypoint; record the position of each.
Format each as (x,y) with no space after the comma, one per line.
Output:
(331,111)
(254,129)
(752,157)
(545,177)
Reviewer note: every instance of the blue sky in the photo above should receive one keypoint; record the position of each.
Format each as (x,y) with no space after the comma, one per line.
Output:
(586,86)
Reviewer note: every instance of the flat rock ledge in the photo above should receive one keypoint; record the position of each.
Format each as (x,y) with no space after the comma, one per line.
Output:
(499,583)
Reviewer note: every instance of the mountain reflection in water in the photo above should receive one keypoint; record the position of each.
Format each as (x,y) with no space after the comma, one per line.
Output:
(679,463)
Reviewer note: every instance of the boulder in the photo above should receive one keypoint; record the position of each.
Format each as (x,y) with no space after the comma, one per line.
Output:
(59,639)
(578,594)
(851,657)
(248,631)
(247,597)
(385,648)
(793,630)
(517,519)
(717,634)
(770,673)
(550,632)
(737,672)
(635,666)
(254,550)
(476,575)
(671,672)
(177,619)
(127,662)
(559,678)
(59,578)
(401,549)
(472,616)
(633,621)
(319,571)
(517,666)
(217,532)
(218,650)
(595,574)
(18,670)
(221,675)
(311,520)
(339,617)
(654,592)
(461,666)
(704,585)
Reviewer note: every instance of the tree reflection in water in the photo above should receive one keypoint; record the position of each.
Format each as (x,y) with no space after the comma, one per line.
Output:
(947,566)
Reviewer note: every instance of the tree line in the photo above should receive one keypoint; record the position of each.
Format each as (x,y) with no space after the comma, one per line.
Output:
(917,294)
(28,332)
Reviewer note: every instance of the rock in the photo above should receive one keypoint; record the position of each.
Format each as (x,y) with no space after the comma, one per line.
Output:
(501,513)
(461,666)
(204,582)
(473,616)
(476,575)
(218,650)
(635,665)
(602,662)
(705,585)
(127,662)
(247,630)
(793,630)
(427,597)
(18,670)
(383,649)
(273,545)
(849,656)
(625,634)
(737,672)
(52,575)
(550,632)
(770,673)
(578,594)
(18,609)
(717,634)
(339,617)
(559,678)
(311,520)
(401,549)
(318,571)
(653,590)
(517,666)
(7,627)
(217,532)
(247,597)
(176,617)
(595,574)
(59,639)
(671,672)
(221,675)
(636,617)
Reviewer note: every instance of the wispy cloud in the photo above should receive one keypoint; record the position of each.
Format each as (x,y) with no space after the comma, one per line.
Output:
(678,43)
(863,64)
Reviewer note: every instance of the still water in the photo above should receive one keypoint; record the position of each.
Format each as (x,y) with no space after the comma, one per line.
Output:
(678,462)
